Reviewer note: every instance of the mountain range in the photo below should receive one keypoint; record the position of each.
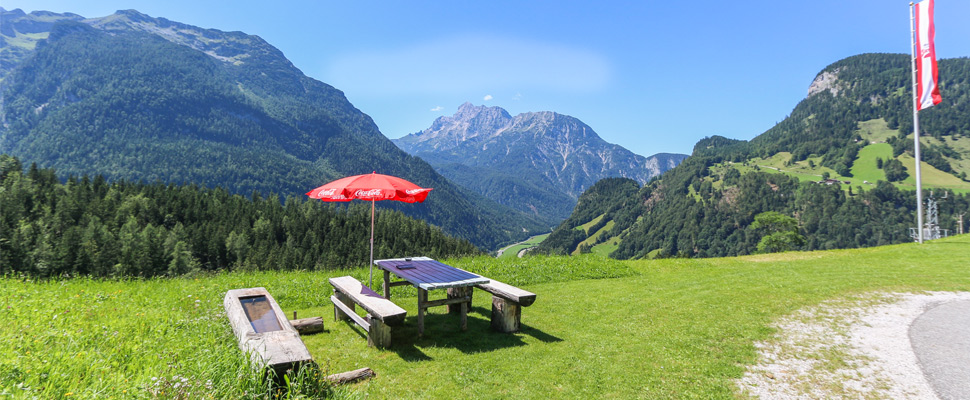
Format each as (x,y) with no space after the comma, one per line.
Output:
(536,162)
(137,98)
(841,166)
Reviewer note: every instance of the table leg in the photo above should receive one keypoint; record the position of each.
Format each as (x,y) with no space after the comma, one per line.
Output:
(422,299)
(387,285)
(464,317)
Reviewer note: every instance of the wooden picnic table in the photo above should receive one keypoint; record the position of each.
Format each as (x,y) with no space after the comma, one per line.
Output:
(427,274)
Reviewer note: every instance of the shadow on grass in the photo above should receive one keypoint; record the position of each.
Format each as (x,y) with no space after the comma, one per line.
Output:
(538,334)
(442,330)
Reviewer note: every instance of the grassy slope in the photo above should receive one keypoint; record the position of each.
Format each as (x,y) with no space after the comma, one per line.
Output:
(513,250)
(864,167)
(604,249)
(665,328)
(596,235)
(585,227)
(876,132)
(961,145)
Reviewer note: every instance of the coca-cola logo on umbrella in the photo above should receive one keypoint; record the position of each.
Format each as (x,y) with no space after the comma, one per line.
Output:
(368,193)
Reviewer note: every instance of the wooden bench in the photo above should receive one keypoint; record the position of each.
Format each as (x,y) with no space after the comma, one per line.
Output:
(382,313)
(507,301)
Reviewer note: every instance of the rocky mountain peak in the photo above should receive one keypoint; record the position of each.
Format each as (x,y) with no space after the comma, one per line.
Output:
(541,149)
(481,115)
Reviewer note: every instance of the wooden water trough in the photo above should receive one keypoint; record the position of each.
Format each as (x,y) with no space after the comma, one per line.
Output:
(263,330)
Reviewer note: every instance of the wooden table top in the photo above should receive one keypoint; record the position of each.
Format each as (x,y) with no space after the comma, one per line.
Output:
(429,274)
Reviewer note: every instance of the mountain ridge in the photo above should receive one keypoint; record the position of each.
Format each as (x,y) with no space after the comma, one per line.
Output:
(134,97)
(555,154)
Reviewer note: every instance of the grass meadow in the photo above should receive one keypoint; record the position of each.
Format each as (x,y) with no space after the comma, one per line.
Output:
(513,250)
(600,328)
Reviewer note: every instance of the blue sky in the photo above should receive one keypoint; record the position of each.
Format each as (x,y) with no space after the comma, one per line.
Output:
(651,76)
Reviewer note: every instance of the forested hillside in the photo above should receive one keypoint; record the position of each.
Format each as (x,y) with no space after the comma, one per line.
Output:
(94,228)
(858,112)
(136,98)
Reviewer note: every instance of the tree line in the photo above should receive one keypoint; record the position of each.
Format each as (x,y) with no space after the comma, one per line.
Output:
(85,226)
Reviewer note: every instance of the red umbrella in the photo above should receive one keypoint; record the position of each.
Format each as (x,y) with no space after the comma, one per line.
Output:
(373,187)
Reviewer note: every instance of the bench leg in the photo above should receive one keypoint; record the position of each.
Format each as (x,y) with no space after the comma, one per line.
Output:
(379,334)
(422,298)
(505,315)
(458,292)
(387,285)
(338,315)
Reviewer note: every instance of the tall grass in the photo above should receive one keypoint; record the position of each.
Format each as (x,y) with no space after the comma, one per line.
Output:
(161,338)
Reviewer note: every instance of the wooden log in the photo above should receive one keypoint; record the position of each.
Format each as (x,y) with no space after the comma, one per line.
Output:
(459,293)
(308,325)
(379,334)
(506,315)
(351,376)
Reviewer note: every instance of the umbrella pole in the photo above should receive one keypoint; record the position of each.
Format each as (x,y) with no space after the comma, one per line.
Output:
(372,244)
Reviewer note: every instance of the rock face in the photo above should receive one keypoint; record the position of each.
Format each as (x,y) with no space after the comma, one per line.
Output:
(545,150)
(825,81)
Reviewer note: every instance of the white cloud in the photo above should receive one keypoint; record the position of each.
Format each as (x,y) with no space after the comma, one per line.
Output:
(438,108)
(464,64)
(487,97)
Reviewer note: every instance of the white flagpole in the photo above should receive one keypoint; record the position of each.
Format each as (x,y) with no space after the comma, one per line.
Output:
(919,183)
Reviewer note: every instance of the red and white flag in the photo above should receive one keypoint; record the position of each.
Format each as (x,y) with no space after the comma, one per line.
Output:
(927,92)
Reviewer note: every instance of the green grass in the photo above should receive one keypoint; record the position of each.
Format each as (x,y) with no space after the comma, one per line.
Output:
(600,328)
(595,236)
(931,177)
(864,167)
(513,250)
(962,145)
(26,40)
(876,131)
(604,249)
(585,227)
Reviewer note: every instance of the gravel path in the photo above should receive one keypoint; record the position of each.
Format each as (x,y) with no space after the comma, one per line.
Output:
(855,348)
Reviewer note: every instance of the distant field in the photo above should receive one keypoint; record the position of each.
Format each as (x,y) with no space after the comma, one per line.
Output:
(604,249)
(876,131)
(513,251)
(961,145)
(585,227)
(864,167)
(596,235)
(932,177)
(600,328)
